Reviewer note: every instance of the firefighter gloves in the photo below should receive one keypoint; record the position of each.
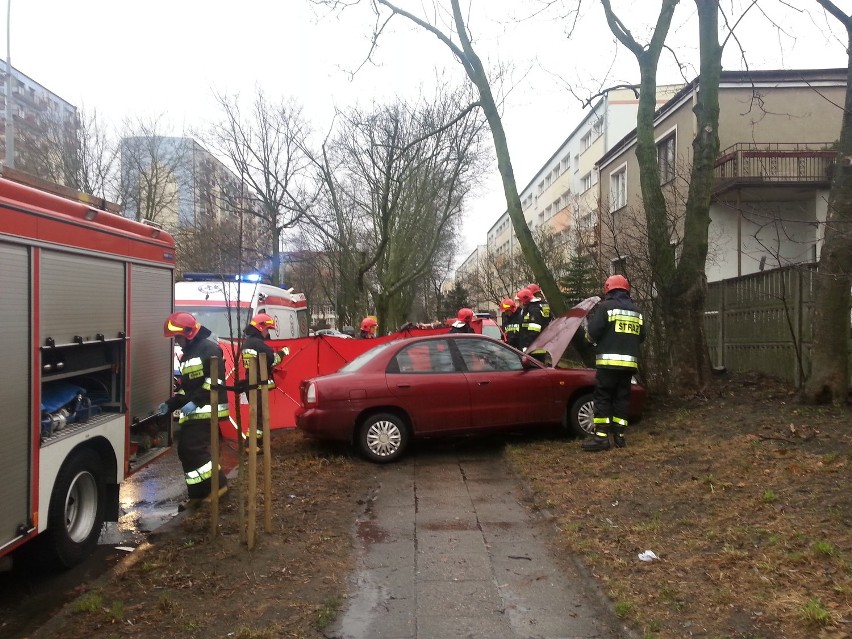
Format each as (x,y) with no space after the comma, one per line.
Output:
(163,409)
(187,408)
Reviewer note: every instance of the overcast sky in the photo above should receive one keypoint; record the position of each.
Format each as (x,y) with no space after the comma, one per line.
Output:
(166,57)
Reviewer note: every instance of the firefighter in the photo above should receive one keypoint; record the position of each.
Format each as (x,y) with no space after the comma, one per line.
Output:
(510,321)
(530,320)
(463,320)
(616,328)
(254,343)
(193,402)
(369,327)
(545,307)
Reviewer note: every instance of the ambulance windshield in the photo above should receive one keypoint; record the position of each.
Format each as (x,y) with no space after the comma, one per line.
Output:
(222,321)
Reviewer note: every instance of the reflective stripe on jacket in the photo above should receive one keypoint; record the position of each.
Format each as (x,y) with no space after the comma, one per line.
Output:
(617,328)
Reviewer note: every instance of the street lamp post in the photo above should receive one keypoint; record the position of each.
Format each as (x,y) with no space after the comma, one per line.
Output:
(10,123)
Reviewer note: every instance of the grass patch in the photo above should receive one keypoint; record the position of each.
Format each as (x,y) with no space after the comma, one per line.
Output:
(91,602)
(623,608)
(814,612)
(327,612)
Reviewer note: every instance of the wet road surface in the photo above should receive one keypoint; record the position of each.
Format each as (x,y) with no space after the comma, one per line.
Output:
(147,500)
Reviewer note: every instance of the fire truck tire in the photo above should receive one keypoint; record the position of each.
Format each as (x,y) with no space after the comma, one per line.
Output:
(76,513)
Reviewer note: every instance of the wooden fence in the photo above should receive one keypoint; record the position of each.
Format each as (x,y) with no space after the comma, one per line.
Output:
(764,322)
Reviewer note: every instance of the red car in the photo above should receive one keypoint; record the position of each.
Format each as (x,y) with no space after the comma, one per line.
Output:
(444,385)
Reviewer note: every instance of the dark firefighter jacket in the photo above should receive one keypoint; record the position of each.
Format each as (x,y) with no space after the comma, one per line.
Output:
(512,327)
(461,327)
(253,346)
(617,329)
(195,378)
(545,311)
(531,324)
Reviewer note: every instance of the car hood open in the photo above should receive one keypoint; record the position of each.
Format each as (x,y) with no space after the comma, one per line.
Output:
(558,335)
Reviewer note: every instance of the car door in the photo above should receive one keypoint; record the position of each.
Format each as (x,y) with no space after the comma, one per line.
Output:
(502,393)
(429,385)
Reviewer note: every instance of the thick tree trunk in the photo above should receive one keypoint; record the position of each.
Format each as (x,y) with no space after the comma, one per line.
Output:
(829,377)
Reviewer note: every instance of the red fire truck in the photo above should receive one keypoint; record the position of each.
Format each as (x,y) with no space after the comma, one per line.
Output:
(83,296)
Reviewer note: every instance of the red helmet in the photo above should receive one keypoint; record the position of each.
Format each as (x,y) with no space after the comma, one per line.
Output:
(465,315)
(616,281)
(181,323)
(525,296)
(262,321)
(508,305)
(534,288)
(368,323)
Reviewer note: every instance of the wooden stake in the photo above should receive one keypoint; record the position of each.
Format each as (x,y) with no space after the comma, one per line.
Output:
(214,447)
(267,447)
(251,523)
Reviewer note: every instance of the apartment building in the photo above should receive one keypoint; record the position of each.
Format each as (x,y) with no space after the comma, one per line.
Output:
(175,183)
(562,196)
(777,131)
(45,128)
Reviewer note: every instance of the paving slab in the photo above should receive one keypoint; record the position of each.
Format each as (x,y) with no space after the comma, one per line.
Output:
(449,550)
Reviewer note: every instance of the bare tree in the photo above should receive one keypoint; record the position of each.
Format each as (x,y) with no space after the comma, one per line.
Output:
(266,147)
(458,39)
(829,378)
(394,181)
(679,278)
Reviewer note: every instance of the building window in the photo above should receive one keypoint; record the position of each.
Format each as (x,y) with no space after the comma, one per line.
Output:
(587,182)
(598,126)
(666,158)
(566,163)
(618,266)
(618,184)
(586,140)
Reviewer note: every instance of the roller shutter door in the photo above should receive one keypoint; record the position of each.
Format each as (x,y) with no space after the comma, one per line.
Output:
(15,398)
(81,296)
(151,355)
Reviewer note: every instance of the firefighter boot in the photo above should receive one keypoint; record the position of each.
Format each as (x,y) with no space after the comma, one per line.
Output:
(618,437)
(599,441)
(197,502)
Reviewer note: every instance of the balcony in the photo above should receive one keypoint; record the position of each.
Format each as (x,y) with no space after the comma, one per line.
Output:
(774,165)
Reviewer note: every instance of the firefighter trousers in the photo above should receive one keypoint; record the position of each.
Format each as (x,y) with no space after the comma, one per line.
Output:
(612,395)
(193,450)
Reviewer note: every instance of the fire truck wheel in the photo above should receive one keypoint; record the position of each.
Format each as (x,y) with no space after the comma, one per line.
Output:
(76,512)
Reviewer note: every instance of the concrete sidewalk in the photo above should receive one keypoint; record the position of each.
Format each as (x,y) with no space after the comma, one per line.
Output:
(448,551)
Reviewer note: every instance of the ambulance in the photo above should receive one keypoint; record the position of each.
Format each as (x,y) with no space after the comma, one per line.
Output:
(225,303)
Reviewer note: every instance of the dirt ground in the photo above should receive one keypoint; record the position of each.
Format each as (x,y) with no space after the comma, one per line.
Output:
(742,494)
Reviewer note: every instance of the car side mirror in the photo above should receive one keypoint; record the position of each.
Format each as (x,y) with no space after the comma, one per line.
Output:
(528,362)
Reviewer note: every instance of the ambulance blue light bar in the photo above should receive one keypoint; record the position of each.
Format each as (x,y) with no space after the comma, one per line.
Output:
(227,277)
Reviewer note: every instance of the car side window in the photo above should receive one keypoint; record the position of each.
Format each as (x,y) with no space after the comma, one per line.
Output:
(480,355)
(424,357)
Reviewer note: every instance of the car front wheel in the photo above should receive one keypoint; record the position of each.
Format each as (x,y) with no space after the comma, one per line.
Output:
(383,437)
(581,415)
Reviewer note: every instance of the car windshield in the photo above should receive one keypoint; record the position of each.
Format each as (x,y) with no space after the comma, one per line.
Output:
(492,330)
(364,358)
(222,321)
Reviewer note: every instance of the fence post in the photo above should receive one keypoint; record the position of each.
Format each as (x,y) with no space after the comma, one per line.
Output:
(798,358)
(720,357)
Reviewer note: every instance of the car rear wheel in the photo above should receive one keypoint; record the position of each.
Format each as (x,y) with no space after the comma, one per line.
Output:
(581,415)
(383,437)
